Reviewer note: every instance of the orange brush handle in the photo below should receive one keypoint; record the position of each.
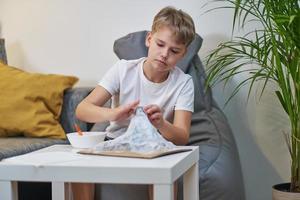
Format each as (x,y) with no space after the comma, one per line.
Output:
(78,129)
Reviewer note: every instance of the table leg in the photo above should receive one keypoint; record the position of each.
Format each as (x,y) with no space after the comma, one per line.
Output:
(58,191)
(68,191)
(9,190)
(163,192)
(191,184)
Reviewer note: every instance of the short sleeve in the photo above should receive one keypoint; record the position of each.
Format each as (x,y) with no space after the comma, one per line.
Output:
(111,80)
(185,100)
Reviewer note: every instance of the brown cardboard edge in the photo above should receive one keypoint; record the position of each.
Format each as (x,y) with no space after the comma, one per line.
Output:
(130,154)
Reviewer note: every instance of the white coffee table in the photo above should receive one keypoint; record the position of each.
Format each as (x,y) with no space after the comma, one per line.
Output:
(60,164)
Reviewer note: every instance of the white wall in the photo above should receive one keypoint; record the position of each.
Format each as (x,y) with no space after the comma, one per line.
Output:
(76,36)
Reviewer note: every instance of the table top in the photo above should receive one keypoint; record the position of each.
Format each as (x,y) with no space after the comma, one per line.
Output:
(63,163)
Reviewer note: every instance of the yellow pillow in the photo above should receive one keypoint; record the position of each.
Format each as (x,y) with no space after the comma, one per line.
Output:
(31,103)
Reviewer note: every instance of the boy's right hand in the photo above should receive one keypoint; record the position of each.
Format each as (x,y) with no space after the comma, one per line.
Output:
(123,112)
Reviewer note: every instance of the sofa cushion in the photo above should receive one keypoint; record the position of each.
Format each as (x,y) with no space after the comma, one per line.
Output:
(31,103)
(14,146)
(3,58)
(72,97)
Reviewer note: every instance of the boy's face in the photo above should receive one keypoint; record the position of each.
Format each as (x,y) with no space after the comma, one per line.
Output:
(164,50)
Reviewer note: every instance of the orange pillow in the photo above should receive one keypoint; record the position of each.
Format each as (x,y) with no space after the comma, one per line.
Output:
(31,103)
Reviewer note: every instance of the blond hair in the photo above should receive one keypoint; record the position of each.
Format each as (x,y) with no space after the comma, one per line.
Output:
(177,20)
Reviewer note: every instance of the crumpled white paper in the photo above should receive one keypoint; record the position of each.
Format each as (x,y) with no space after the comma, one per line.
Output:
(141,136)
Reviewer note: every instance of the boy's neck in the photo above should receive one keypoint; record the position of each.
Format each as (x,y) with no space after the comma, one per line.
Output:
(153,76)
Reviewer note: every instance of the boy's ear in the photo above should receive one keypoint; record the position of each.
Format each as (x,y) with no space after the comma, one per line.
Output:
(148,39)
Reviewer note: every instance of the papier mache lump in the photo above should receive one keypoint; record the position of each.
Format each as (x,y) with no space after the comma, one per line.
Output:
(141,136)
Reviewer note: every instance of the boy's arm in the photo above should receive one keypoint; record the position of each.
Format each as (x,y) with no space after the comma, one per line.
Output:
(179,131)
(90,109)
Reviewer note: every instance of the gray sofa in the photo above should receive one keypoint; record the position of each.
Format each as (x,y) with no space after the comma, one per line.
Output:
(14,146)
(220,175)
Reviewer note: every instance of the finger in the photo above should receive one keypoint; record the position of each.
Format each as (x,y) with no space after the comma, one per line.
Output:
(152,110)
(147,107)
(154,122)
(131,106)
(130,112)
(134,104)
(150,106)
(126,108)
(156,116)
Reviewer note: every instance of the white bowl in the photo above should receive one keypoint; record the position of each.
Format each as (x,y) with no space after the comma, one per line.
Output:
(87,140)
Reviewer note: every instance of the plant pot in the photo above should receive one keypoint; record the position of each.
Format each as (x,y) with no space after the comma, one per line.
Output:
(282,192)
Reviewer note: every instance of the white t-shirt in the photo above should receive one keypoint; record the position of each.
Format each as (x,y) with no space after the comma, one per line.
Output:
(126,82)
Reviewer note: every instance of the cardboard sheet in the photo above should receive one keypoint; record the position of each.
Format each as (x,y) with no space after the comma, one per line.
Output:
(130,154)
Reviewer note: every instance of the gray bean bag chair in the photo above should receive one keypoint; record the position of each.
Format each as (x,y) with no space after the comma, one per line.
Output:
(220,176)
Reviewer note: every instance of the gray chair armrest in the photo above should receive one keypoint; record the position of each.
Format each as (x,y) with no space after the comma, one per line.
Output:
(3,57)
(72,97)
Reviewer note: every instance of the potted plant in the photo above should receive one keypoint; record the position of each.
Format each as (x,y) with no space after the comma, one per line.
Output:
(273,53)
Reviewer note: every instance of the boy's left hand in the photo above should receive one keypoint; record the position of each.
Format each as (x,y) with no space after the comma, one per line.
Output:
(155,115)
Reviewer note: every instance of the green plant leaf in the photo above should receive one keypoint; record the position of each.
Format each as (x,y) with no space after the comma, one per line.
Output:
(269,53)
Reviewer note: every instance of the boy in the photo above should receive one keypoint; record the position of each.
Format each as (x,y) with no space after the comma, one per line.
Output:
(154,82)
